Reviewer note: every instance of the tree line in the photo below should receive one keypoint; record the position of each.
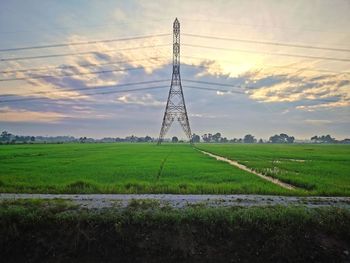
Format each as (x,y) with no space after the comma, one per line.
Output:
(8,138)
(218,138)
(277,138)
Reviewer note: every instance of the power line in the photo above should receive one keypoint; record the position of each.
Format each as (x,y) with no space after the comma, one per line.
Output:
(232,91)
(308,69)
(83,43)
(79,65)
(267,43)
(103,72)
(78,53)
(262,25)
(111,92)
(128,90)
(121,91)
(127,61)
(55,28)
(211,89)
(211,83)
(135,90)
(211,21)
(83,95)
(71,74)
(121,70)
(273,66)
(86,89)
(242,93)
(270,53)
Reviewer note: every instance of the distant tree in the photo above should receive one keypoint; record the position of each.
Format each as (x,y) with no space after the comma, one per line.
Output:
(131,138)
(212,137)
(196,138)
(261,140)
(328,139)
(345,141)
(5,136)
(274,139)
(290,139)
(323,139)
(216,137)
(207,137)
(314,138)
(282,138)
(249,139)
(174,139)
(82,139)
(148,139)
(223,140)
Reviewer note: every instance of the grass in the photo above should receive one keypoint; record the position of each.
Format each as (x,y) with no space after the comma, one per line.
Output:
(319,169)
(146,232)
(122,168)
(173,168)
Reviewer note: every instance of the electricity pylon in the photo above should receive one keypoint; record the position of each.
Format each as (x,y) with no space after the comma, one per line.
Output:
(175,107)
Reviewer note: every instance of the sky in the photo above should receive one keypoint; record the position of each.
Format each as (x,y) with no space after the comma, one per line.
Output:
(283,67)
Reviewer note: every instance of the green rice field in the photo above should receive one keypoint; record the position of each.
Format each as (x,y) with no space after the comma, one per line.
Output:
(318,169)
(173,168)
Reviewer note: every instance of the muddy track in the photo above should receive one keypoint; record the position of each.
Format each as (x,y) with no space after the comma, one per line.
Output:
(98,201)
(245,168)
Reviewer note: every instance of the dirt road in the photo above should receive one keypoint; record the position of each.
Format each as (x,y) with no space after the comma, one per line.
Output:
(245,168)
(96,201)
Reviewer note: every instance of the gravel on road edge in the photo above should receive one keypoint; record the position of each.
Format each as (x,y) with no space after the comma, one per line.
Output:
(97,201)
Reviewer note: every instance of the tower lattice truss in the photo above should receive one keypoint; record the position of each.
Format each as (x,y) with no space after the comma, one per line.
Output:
(175,107)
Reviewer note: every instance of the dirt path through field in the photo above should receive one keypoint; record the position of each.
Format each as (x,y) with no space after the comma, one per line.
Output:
(98,201)
(245,168)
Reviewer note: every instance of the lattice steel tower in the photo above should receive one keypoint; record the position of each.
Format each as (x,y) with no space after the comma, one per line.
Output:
(175,107)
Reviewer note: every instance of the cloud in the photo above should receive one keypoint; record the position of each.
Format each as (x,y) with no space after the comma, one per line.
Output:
(318,122)
(330,105)
(73,79)
(264,85)
(143,100)
(269,96)
(120,15)
(8,114)
(326,91)
(206,115)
